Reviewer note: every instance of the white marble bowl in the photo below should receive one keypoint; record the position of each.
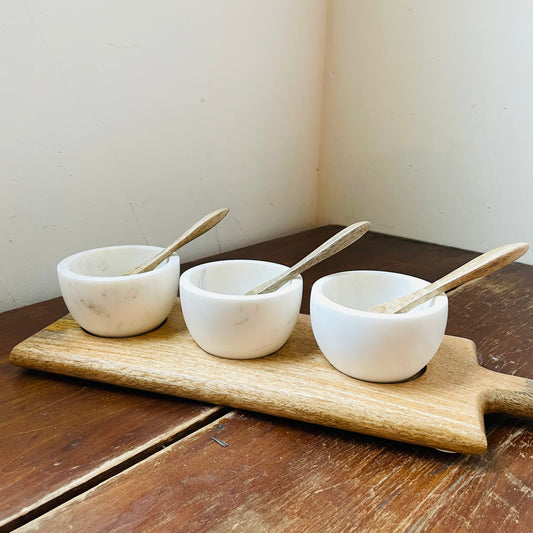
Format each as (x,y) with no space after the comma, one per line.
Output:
(372,346)
(225,322)
(105,302)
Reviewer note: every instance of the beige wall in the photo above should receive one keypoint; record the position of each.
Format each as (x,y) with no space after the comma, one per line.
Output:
(126,121)
(428,120)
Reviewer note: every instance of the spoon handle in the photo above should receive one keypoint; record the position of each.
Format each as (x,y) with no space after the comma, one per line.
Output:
(204,224)
(480,266)
(335,244)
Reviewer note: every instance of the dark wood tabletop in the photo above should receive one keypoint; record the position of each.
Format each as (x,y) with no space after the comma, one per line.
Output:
(77,455)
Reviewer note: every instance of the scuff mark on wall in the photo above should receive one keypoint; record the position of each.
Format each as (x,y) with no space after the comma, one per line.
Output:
(145,237)
(52,57)
(217,237)
(123,46)
(11,295)
(203,190)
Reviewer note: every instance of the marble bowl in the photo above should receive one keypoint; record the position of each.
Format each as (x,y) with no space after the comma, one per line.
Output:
(372,346)
(226,322)
(104,302)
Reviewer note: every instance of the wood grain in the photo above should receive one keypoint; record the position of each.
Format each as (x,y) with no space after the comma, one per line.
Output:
(282,476)
(59,435)
(443,408)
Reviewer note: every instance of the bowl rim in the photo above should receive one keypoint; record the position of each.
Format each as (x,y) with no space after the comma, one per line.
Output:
(185,280)
(63,267)
(440,302)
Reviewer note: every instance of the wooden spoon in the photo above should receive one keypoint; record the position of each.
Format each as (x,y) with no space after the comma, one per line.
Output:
(477,268)
(204,224)
(333,245)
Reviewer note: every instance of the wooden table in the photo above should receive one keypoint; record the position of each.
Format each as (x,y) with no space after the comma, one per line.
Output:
(83,456)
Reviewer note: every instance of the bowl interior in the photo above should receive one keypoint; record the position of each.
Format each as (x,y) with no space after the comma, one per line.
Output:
(233,277)
(362,290)
(112,261)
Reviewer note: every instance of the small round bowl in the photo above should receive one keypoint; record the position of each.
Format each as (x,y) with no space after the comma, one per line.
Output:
(104,302)
(370,346)
(226,322)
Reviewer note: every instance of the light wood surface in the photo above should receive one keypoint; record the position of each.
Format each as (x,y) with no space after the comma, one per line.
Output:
(443,408)
(332,246)
(204,224)
(476,268)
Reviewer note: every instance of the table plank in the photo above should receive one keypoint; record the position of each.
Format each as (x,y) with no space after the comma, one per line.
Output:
(59,436)
(496,313)
(265,474)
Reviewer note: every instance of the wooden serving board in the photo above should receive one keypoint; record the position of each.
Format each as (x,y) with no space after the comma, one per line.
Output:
(443,408)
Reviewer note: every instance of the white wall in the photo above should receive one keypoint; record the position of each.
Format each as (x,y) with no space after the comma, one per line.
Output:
(428,120)
(126,121)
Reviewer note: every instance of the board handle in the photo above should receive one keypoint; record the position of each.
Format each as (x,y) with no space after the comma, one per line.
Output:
(511,395)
